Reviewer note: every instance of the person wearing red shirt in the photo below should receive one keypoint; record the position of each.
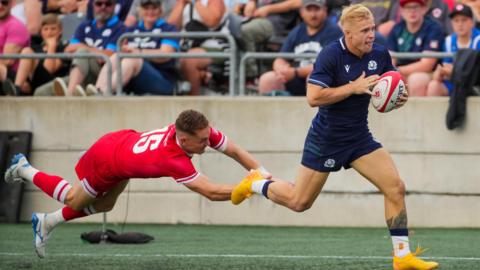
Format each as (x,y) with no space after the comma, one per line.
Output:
(106,167)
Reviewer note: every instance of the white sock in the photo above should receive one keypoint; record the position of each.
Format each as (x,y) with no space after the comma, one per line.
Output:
(257,186)
(27,172)
(401,247)
(53,219)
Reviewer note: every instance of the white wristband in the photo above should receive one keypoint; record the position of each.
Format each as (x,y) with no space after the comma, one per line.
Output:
(264,172)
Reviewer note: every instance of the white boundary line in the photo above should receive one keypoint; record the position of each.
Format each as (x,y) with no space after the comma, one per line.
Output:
(238,256)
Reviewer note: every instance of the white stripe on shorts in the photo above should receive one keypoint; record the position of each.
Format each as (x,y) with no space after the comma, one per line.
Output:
(86,186)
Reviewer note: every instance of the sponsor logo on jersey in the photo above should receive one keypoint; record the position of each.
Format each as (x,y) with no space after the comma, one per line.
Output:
(372,65)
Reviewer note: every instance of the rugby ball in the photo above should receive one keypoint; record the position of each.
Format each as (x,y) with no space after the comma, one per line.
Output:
(388,89)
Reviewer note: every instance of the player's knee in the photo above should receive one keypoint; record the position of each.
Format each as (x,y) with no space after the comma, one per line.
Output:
(397,191)
(106,208)
(301,206)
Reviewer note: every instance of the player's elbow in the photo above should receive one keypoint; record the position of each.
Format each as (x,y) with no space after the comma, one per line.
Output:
(314,96)
(313,101)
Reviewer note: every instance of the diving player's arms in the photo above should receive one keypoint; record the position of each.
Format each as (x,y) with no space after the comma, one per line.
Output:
(320,96)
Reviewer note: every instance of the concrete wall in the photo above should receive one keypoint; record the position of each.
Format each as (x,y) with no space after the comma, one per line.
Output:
(441,168)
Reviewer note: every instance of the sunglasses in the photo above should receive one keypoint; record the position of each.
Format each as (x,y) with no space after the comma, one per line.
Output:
(100,4)
(5,2)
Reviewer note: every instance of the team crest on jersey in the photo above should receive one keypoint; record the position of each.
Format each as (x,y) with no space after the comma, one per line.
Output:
(372,65)
(347,68)
(434,44)
(107,33)
(418,41)
(329,163)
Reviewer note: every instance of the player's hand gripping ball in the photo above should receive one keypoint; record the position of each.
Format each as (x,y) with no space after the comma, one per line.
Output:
(387,91)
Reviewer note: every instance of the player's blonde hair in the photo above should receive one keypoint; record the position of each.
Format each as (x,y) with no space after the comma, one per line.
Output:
(354,13)
(190,121)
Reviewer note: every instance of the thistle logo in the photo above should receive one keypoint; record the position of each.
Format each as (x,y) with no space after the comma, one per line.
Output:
(329,163)
(347,68)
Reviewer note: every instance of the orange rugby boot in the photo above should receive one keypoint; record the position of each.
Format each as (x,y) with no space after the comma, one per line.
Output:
(411,262)
(244,189)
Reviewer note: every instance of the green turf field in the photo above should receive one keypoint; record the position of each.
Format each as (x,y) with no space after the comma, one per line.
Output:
(233,247)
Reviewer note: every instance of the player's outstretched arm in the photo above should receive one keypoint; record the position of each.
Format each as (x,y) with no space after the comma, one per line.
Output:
(244,158)
(212,191)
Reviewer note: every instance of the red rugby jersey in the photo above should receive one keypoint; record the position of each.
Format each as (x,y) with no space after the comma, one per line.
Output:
(157,153)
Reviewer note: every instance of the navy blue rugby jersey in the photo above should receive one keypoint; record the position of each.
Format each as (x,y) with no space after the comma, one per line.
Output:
(336,66)
(104,38)
(155,42)
(299,41)
(430,37)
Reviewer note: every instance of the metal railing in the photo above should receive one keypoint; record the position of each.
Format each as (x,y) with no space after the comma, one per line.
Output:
(230,55)
(66,56)
(262,55)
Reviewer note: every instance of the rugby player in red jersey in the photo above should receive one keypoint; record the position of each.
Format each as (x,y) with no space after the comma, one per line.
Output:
(106,167)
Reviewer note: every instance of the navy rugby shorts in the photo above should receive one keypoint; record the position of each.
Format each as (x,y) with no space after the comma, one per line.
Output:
(325,156)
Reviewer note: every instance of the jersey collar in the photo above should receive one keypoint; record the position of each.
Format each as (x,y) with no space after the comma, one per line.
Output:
(111,22)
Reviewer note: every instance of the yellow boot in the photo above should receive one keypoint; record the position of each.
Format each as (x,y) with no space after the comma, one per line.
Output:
(411,262)
(244,189)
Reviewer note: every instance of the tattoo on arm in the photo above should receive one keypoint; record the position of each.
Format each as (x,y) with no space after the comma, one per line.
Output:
(399,221)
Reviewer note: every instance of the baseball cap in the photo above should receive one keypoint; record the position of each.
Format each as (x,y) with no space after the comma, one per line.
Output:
(461,9)
(319,3)
(404,2)
(153,2)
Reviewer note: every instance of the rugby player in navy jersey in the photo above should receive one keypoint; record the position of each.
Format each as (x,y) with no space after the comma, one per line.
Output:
(339,135)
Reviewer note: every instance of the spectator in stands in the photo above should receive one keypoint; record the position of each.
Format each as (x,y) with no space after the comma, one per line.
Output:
(133,16)
(96,36)
(13,38)
(381,10)
(121,9)
(415,33)
(438,10)
(35,72)
(30,13)
(268,18)
(308,37)
(475,6)
(465,36)
(154,76)
(73,13)
(207,15)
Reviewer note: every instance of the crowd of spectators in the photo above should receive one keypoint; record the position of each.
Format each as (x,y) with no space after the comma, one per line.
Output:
(291,26)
